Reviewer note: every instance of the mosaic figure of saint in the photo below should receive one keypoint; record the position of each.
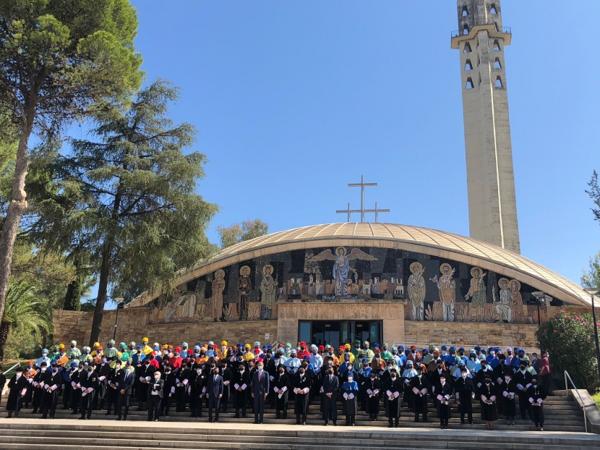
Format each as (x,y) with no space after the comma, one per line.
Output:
(446,285)
(477,290)
(268,289)
(216,301)
(244,288)
(341,267)
(416,290)
(504,305)
(515,292)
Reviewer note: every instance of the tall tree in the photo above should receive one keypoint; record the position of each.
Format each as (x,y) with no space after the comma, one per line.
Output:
(57,59)
(136,208)
(244,231)
(591,278)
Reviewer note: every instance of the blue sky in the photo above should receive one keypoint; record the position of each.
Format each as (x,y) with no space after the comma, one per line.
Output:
(292,100)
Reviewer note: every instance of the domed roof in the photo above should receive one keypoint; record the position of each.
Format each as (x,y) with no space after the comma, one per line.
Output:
(403,237)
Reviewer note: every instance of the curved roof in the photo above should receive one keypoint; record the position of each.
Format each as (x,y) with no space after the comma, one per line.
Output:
(384,235)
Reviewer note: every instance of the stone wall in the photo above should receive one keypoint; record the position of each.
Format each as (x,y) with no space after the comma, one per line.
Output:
(470,334)
(133,325)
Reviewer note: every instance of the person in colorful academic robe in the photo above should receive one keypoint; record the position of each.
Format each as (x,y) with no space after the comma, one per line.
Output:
(281,390)
(329,389)
(227,375)
(260,387)
(465,392)
(373,391)
(350,394)
(536,396)
(393,393)
(215,394)
(17,386)
(301,389)
(443,393)
(487,398)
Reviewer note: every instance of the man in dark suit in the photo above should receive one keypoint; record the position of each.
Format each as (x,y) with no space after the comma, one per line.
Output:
(126,381)
(155,396)
(215,393)
(260,389)
(329,390)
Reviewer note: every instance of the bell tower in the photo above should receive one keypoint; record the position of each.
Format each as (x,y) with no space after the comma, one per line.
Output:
(481,39)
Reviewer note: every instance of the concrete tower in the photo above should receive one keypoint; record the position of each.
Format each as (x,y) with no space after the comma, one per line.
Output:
(481,40)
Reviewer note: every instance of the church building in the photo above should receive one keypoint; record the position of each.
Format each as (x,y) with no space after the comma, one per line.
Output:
(387,283)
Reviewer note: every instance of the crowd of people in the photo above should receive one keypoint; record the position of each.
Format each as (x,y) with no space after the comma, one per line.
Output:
(218,378)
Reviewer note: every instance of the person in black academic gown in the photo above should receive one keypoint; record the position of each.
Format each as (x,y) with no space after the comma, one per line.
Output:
(465,391)
(52,392)
(241,384)
(301,389)
(443,394)
(329,389)
(17,386)
(419,389)
(394,395)
(487,397)
(507,392)
(373,391)
(281,388)
(536,395)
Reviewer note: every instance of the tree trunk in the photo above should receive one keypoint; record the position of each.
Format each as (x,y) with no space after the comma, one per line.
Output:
(105,273)
(18,203)
(4,329)
(102,291)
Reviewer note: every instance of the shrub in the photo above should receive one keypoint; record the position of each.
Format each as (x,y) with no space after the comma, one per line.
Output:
(569,339)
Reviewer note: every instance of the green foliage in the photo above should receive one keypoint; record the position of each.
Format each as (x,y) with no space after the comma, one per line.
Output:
(60,57)
(569,339)
(26,319)
(594,193)
(591,278)
(249,229)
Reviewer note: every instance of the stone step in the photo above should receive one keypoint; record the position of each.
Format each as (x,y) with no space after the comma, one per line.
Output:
(102,434)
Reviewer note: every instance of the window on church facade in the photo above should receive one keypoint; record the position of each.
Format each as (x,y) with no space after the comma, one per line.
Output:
(469,84)
(468,65)
(498,84)
(467,48)
(497,64)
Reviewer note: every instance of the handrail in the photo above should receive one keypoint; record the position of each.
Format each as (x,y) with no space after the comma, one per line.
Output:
(568,377)
(10,368)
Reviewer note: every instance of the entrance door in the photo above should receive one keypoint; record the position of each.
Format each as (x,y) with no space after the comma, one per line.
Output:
(336,332)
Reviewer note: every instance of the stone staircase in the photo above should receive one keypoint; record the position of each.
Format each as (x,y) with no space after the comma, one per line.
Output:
(561,412)
(104,434)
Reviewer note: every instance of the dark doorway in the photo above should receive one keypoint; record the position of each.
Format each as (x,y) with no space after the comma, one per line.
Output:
(338,332)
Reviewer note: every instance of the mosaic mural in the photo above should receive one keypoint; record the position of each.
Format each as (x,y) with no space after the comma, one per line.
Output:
(430,287)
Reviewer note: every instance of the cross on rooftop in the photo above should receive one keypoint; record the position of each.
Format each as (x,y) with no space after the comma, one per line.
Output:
(362,209)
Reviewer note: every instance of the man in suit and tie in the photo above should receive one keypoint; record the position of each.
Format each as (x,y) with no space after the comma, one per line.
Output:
(126,381)
(260,385)
(329,389)
(215,393)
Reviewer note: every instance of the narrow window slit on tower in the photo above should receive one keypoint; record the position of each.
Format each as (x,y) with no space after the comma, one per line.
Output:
(469,84)
(468,65)
(498,84)
(465,29)
(497,64)
(465,11)
(467,48)
(493,9)
(497,47)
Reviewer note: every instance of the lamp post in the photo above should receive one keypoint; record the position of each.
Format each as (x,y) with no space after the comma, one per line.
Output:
(541,298)
(119,301)
(593,294)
